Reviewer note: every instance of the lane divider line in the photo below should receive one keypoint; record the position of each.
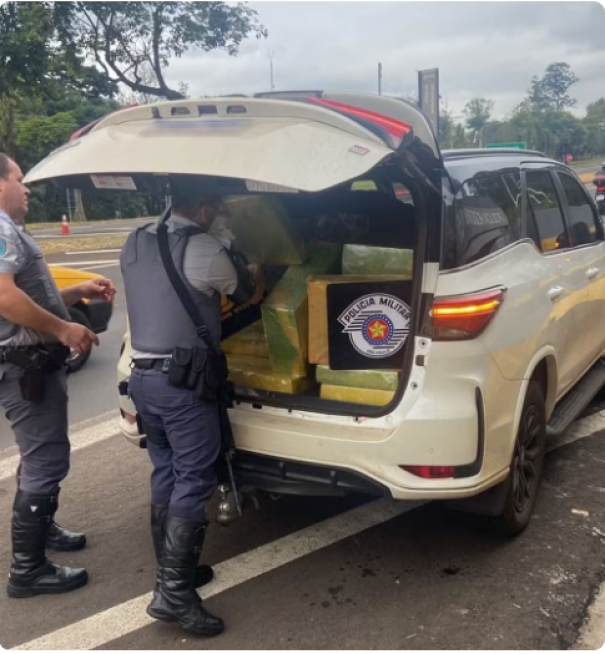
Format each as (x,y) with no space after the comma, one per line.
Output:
(121,620)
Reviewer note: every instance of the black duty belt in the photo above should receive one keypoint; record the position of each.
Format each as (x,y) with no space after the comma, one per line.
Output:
(163,365)
(58,353)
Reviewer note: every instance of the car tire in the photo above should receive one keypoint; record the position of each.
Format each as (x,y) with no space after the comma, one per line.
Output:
(75,360)
(526,466)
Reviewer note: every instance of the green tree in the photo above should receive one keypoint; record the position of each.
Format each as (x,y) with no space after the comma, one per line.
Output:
(446,128)
(36,68)
(132,41)
(478,112)
(551,91)
(595,127)
(37,137)
(460,138)
(25,33)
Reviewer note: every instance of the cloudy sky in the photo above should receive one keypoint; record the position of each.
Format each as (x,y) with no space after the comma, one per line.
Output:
(483,49)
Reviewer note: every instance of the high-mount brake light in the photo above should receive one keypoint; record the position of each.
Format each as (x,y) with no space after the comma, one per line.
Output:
(396,129)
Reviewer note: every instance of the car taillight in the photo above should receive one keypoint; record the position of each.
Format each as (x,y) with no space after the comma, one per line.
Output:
(463,317)
(431,472)
(130,419)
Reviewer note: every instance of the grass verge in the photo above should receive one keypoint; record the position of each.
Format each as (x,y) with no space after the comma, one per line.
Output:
(58,246)
(32,227)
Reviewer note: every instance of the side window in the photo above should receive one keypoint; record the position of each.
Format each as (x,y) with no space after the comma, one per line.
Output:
(545,211)
(487,216)
(583,223)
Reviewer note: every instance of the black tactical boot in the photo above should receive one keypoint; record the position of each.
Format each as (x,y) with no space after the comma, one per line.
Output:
(176,599)
(203,573)
(63,540)
(31,573)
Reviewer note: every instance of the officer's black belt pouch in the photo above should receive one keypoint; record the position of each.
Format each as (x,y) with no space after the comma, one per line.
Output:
(180,367)
(209,381)
(197,370)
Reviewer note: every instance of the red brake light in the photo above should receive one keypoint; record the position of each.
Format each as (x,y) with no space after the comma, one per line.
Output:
(431,472)
(394,128)
(464,317)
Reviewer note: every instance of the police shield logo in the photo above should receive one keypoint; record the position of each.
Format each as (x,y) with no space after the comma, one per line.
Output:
(378,325)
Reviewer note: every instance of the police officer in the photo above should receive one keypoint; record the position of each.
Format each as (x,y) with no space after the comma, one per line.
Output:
(35,337)
(182,427)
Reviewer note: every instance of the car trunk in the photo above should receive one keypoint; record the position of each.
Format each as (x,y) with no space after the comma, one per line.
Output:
(342,217)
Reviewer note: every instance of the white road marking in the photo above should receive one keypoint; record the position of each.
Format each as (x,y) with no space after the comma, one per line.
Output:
(81,263)
(79,440)
(118,621)
(93,252)
(125,618)
(102,266)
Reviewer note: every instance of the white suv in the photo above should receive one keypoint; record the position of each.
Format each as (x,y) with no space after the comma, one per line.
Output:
(506,304)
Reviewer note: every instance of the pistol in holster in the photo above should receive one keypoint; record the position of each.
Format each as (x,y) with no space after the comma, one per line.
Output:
(36,363)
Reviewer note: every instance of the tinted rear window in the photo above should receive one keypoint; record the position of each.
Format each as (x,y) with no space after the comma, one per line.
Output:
(487,217)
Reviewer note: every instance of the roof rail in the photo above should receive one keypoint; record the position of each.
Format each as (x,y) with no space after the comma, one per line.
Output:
(486,152)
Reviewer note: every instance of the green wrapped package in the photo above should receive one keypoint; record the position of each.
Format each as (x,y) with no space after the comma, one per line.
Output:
(261,228)
(253,372)
(384,380)
(371,260)
(285,311)
(250,341)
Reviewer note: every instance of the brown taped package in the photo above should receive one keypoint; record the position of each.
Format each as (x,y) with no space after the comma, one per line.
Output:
(318,309)
(286,314)
(370,396)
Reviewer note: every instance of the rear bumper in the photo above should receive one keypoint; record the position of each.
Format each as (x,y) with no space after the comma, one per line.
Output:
(99,313)
(298,478)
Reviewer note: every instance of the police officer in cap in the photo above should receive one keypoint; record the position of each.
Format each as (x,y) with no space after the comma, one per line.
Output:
(35,337)
(171,364)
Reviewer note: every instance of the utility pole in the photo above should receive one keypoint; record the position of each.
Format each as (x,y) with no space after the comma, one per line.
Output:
(271,80)
(379,78)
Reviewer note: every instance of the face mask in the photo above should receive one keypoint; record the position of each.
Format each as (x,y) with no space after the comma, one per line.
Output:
(220,228)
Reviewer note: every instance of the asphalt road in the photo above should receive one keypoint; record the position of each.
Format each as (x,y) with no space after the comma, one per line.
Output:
(304,573)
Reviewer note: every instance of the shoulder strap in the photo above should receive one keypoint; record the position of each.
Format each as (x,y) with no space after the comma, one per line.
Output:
(181,290)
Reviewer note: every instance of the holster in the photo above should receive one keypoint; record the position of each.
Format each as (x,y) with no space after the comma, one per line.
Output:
(32,384)
(36,362)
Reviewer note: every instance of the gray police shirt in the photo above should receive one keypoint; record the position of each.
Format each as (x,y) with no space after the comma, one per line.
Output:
(205,269)
(20,255)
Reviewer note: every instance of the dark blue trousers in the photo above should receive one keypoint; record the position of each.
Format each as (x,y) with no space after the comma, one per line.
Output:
(183,441)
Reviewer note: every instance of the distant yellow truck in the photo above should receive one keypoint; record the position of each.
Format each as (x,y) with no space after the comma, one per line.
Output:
(94,314)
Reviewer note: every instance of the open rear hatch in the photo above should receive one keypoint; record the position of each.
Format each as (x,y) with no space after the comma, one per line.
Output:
(337,195)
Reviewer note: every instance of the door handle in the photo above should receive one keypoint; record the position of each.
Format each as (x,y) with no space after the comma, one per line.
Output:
(555,292)
(591,273)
